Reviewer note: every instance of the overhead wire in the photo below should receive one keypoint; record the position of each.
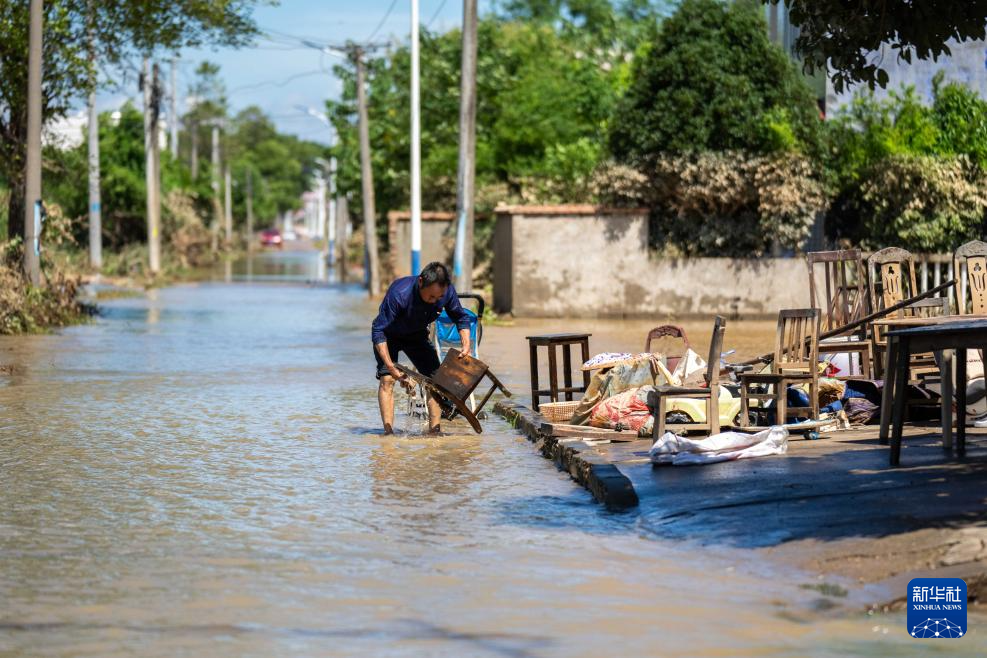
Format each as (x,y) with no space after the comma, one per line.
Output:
(380,25)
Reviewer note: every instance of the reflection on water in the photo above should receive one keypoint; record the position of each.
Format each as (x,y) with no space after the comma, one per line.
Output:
(274,266)
(199,473)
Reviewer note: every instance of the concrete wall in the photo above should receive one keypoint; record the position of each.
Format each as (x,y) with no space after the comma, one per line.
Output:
(438,239)
(584,261)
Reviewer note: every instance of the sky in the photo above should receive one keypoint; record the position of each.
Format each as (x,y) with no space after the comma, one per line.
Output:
(280,80)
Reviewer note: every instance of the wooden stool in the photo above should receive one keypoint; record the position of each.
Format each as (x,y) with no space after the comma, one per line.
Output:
(551,341)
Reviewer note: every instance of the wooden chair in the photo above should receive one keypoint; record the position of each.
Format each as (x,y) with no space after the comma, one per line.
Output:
(668,331)
(971,259)
(891,273)
(795,361)
(924,365)
(657,400)
(845,301)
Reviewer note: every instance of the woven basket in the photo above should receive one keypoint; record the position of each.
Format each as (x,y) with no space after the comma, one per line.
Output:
(558,412)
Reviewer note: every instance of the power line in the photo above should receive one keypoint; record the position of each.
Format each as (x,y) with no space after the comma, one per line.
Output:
(428,26)
(279,82)
(390,9)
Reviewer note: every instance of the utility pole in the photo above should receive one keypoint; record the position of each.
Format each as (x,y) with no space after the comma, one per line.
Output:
(32,179)
(465,180)
(217,205)
(332,213)
(228,202)
(369,212)
(152,99)
(193,129)
(416,148)
(95,210)
(173,124)
(343,221)
(250,210)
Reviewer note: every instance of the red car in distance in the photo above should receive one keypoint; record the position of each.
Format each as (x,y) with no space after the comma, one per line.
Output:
(271,237)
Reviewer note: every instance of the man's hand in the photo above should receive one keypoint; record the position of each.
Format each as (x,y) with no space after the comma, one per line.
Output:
(402,378)
(465,352)
(464,338)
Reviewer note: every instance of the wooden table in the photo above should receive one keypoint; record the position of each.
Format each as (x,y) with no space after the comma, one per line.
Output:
(551,341)
(958,333)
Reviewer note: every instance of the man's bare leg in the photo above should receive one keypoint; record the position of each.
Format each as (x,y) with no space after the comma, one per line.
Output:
(385,398)
(434,415)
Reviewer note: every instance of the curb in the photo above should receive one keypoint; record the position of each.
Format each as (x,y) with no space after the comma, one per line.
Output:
(604,480)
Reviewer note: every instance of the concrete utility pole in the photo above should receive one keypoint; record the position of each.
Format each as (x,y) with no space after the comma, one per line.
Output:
(369,212)
(250,211)
(95,210)
(193,129)
(152,99)
(416,148)
(228,203)
(32,177)
(465,180)
(343,221)
(173,114)
(332,213)
(217,205)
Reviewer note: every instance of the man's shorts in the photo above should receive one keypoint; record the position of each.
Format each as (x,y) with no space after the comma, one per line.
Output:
(416,347)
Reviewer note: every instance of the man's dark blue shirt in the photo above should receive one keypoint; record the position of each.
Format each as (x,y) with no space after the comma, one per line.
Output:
(404,312)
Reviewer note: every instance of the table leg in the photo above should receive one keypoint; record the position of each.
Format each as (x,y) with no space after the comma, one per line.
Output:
(961,402)
(533,353)
(567,370)
(584,344)
(900,397)
(946,375)
(887,395)
(553,373)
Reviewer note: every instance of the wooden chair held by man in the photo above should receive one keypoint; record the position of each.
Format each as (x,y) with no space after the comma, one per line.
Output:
(658,399)
(843,299)
(795,362)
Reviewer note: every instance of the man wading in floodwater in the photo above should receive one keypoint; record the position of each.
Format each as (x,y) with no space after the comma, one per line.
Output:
(411,304)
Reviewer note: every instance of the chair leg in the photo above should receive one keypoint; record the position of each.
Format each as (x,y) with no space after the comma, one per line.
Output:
(814,398)
(713,411)
(745,420)
(660,417)
(533,354)
(781,402)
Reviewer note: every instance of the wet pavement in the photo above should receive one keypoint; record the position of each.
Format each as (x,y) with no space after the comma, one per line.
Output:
(199,472)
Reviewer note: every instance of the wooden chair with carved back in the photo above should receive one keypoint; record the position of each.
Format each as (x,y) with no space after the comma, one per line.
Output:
(710,393)
(668,331)
(842,298)
(891,274)
(970,270)
(795,361)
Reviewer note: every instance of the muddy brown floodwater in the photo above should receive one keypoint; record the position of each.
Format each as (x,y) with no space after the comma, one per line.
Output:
(199,472)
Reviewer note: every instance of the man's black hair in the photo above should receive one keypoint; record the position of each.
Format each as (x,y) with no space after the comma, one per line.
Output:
(434,273)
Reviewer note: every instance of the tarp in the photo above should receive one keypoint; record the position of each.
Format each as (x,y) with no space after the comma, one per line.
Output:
(726,446)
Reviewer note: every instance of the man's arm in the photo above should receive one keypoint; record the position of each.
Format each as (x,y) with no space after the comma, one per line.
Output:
(456,312)
(385,356)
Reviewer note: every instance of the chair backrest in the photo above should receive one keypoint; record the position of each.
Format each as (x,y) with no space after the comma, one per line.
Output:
(845,285)
(971,258)
(712,375)
(665,330)
(797,341)
(933,307)
(892,277)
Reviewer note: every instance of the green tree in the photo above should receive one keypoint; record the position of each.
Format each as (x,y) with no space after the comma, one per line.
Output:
(842,37)
(712,80)
(543,102)
(121,30)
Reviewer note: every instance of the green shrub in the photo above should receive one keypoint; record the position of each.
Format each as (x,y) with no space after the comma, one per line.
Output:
(923,203)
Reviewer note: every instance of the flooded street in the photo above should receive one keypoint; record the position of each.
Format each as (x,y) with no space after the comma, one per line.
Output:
(200,472)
